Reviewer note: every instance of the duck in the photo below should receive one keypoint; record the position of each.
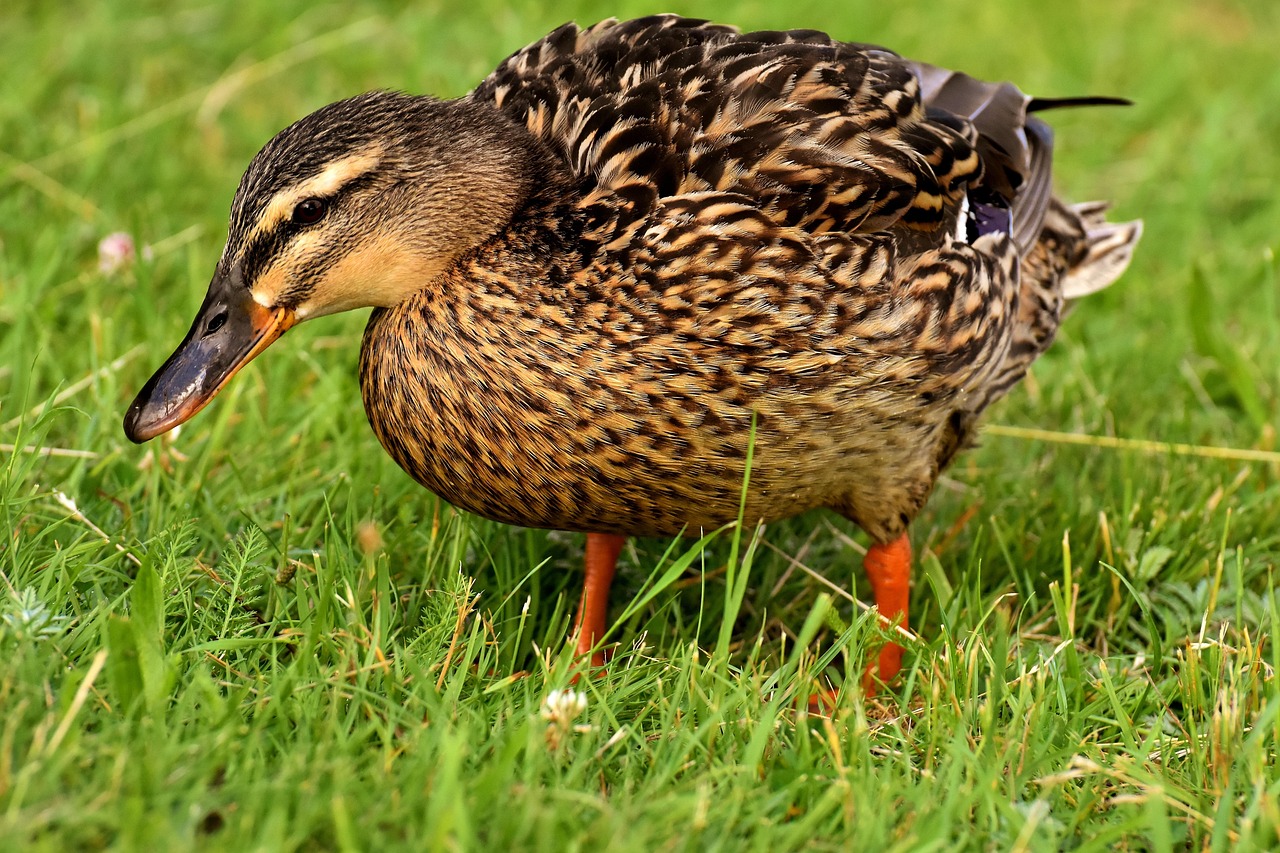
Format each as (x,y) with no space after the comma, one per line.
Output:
(659,276)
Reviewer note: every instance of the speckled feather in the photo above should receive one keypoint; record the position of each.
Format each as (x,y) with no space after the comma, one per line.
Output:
(770,229)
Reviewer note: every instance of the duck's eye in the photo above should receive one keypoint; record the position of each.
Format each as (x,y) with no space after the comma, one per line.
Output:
(309,211)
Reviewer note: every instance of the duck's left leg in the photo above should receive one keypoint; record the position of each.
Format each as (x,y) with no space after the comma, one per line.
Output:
(593,608)
(888,567)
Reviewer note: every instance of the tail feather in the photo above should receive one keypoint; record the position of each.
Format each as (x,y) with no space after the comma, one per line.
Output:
(1111,246)
(1035,105)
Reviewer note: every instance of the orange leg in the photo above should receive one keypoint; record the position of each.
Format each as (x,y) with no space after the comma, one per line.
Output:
(888,567)
(593,608)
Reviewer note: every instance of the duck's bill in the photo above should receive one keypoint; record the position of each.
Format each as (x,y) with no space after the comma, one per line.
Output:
(229,331)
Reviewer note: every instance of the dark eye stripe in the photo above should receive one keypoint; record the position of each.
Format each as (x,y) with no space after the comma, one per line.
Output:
(261,251)
(264,246)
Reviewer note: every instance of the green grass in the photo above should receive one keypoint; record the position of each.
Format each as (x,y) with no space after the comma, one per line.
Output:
(261,635)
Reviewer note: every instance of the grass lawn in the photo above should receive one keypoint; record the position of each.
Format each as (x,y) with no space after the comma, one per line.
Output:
(261,635)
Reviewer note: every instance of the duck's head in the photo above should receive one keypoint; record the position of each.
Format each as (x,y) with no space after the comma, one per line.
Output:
(359,204)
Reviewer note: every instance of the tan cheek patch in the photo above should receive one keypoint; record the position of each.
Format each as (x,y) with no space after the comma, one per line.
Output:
(266,290)
(381,273)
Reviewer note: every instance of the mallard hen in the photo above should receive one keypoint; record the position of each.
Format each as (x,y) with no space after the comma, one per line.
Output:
(639,252)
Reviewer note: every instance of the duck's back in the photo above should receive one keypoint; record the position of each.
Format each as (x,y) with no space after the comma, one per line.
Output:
(818,134)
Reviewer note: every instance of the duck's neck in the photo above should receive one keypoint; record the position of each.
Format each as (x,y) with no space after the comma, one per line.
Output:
(519,208)
(489,163)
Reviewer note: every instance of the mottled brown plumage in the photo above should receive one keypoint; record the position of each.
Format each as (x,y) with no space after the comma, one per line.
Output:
(734,244)
(594,273)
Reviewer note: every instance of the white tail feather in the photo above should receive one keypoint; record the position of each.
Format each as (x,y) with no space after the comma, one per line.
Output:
(1111,248)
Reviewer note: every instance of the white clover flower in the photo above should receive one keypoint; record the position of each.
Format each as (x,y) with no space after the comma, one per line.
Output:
(560,709)
(116,252)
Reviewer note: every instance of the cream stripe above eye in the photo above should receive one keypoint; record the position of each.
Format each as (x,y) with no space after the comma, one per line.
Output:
(336,175)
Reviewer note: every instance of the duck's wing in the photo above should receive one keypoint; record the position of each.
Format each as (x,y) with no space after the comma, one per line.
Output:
(1016,149)
(820,135)
(838,185)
